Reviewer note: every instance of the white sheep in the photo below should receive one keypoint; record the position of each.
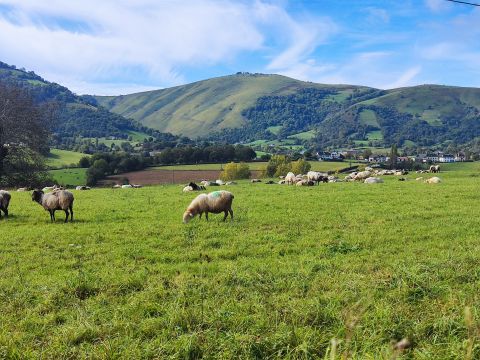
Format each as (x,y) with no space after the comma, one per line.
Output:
(290,178)
(82,187)
(56,200)
(373,180)
(215,202)
(220,182)
(4,202)
(23,189)
(433,180)
(187,188)
(127,186)
(362,175)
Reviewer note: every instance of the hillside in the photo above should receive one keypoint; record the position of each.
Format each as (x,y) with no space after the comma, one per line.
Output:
(248,107)
(199,108)
(78,115)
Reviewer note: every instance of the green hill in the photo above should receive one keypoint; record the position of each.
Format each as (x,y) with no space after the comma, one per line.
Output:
(77,115)
(247,107)
(199,108)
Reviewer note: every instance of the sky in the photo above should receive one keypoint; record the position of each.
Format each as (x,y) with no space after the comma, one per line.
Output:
(112,47)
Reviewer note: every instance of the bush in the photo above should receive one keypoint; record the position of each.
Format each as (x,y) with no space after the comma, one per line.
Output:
(278,165)
(234,171)
(301,166)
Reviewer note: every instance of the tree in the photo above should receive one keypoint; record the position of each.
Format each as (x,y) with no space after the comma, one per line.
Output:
(367,153)
(84,162)
(24,137)
(234,171)
(301,166)
(393,156)
(277,165)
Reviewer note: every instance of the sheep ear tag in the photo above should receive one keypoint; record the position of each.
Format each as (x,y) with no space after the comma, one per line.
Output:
(216,194)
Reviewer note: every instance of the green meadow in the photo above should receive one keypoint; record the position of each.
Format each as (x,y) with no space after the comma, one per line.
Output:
(60,158)
(335,271)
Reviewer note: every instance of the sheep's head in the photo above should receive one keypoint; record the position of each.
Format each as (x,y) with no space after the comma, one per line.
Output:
(187,216)
(37,195)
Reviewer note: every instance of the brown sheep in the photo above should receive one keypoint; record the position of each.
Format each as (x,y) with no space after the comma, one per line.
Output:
(56,200)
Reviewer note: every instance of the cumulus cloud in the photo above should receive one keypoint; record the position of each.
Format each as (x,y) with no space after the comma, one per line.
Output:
(95,39)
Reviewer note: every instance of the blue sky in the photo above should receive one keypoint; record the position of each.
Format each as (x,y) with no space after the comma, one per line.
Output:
(124,46)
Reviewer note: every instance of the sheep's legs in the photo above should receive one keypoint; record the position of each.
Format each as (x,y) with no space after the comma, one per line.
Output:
(71,213)
(231,213)
(52,215)
(206,215)
(225,215)
(200,215)
(66,215)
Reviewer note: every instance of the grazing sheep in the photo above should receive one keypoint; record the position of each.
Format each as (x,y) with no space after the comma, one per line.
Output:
(373,180)
(434,169)
(22,189)
(362,175)
(56,200)
(228,183)
(215,202)
(317,177)
(255,181)
(4,202)
(81,188)
(187,188)
(220,182)
(127,186)
(433,180)
(281,182)
(290,178)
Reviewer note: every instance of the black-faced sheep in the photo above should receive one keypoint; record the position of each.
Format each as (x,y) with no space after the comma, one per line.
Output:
(215,202)
(57,200)
(434,169)
(4,202)
(196,187)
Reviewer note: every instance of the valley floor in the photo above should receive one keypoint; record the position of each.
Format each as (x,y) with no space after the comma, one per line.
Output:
(366,265)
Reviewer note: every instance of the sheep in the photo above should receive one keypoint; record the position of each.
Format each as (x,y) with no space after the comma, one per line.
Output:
(117,186)
(290,178)
(434,169)
(373,180)
(433,180)
(220,182)
(56,200)
(317,177)
(419,178)
(4,202)
(137,186)
(362,175)
(127,186)
(215,202)
(195,187)
(81,188)
(255,180)
(281,182)
(187,188)
(228,183)
(23,189)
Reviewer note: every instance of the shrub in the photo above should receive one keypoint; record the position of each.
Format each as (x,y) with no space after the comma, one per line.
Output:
(234,171)
(301,166)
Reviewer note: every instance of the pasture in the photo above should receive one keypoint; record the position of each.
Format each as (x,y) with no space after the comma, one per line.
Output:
(365,265)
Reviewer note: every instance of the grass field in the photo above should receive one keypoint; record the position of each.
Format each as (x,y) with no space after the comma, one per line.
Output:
(69,176)
(316,166)
(366,265)
(61,158)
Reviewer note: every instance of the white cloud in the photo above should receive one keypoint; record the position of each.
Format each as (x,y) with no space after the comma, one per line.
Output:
(437,5)
(406,78)
(150,37)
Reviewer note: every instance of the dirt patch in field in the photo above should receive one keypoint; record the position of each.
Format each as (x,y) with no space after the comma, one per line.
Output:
(154,177)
